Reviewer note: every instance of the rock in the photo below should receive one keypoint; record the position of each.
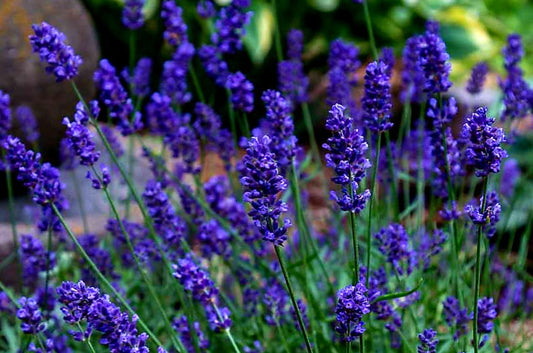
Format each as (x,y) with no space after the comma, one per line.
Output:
(23,75)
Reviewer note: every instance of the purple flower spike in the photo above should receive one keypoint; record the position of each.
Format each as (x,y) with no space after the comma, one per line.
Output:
(352,305)
(456,317)
(490,217)
(33,258)
(412,73)
(428,341)
(477,79)
(115,98)
(377,101)
(174,76)
(434,61)
(52,49)
(486,315)
(262,184)
(5,115)
(132,17)
(230,27)
(280,127)
(516,92)
(80,139)
(292,80)
(30,315)
(175,28)
(181,325)
(206,9)
(27,123)
(483,143)
(346,154)
(140,81)
(393,242)
(242,92)
(214,65)
(343,64)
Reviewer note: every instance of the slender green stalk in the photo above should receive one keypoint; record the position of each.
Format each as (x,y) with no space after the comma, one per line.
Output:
(11,205)
(283,336)
(79,199)
(368,22)
(100,276)
(311,133)
(477,279)
(88,339)
(277,39)
(390,164)
(303,225)
(227,331)
(355,244)
(177,343)
(245,126)
(196,83)
(293,299)
(233,123)
(370,203)
(47,275)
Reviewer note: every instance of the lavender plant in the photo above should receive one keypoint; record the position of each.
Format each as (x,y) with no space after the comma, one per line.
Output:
(236,258)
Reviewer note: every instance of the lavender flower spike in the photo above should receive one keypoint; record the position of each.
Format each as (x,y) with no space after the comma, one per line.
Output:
(346,154)
(30,315)
(483,146)
(262,183)
(377,101)
(5,115)
(242,92)
(428,341)
(477,79)
(28,123)
(352,305)
(434,61)
(132,17)
(52,49)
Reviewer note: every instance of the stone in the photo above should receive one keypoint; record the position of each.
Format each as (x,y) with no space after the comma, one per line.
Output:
(22,74)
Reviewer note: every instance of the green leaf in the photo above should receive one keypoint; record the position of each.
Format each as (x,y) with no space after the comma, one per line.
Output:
(398,294)
(260,32)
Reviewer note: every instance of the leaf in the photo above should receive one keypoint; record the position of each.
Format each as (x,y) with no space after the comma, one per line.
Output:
(260,32)
(398,294)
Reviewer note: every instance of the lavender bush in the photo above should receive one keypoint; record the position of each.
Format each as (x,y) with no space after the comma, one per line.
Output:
(405,257)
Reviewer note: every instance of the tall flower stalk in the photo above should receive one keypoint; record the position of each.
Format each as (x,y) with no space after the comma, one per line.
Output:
(484,153)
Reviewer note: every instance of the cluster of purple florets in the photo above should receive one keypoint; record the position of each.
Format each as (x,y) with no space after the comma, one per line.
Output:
(50,44)
(352,305)
(196,281)
(262,184)
(347,156)
(483,149)
(85,304)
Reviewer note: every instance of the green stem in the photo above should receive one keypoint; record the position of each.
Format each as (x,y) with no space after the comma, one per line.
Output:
(177,343)
(303,225)
(47,275)
(233,123)
(283,337)
(370,203)
(311,133)
(100,276)
(79,198)
(355,244)
(130,171)
(245,125)
(293,299)
(392,173)
(227,331)
(196,83)
(279,50)
(478,266)
(11,205)
(368,22)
